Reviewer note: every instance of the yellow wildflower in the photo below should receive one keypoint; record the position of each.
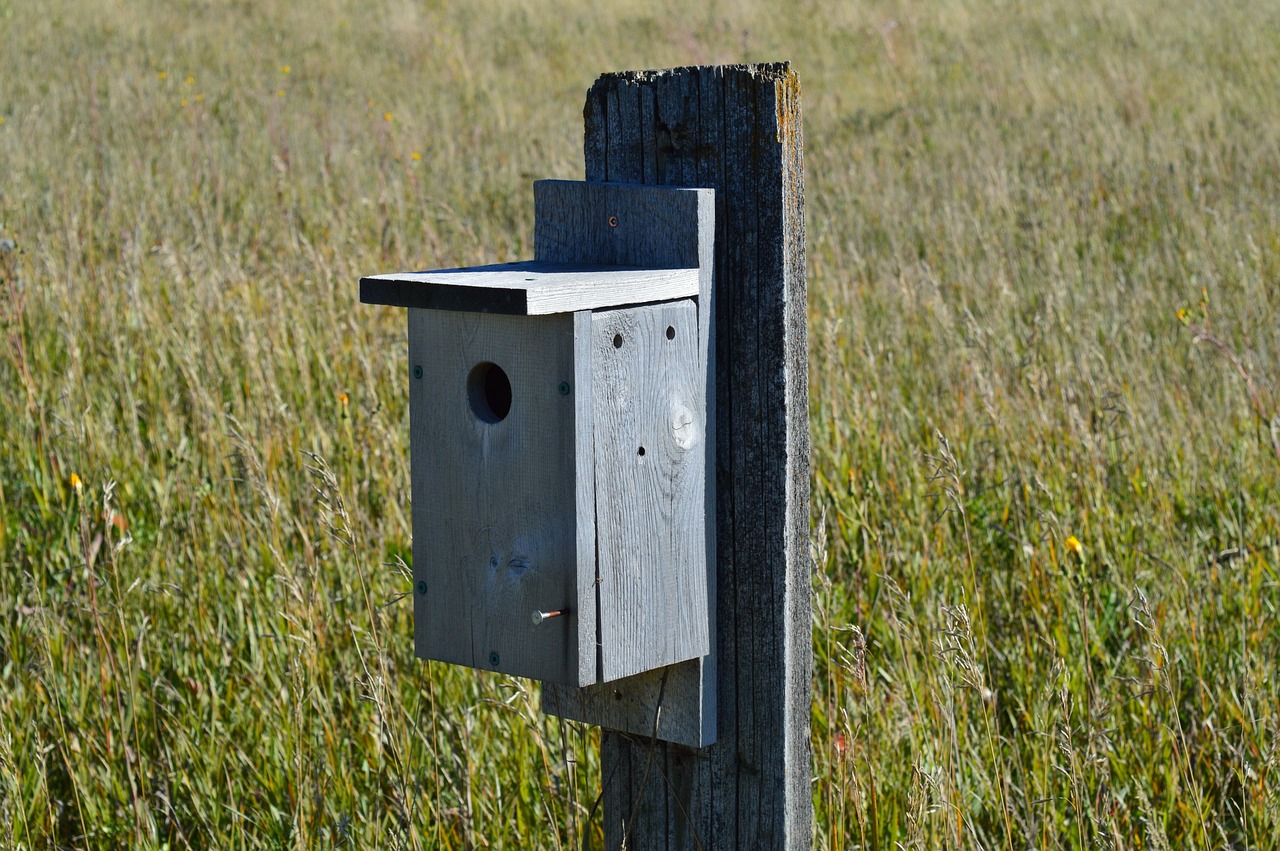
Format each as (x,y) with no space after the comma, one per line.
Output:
(1182,315)
(386,116)
(161,75)
(344,399)
(185,103)
(285,69)
(279,93)
(76,483)
(190,80)
(1073,544)
(416,155)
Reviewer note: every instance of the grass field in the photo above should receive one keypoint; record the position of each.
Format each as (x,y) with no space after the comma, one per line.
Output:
(1044,268)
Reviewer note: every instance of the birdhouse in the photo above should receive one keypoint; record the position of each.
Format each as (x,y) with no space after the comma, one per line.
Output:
(558,435)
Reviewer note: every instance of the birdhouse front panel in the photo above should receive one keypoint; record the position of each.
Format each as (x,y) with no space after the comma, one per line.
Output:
(501,580)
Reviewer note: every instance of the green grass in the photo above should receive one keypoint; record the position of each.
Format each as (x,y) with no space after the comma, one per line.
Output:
(206,643)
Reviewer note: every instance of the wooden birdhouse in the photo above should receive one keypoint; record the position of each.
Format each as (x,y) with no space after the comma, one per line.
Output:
(558,431)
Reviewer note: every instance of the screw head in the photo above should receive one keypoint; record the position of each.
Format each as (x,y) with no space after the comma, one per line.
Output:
(493,658)
(417,371)
(422,587)
(564,388)
(613,221)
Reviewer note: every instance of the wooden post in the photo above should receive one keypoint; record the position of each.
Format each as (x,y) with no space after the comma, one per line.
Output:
(735,129)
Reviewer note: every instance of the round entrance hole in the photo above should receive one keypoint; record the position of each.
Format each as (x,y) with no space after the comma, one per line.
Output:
(489,391)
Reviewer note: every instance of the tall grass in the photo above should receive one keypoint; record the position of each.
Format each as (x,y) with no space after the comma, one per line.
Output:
(204,528)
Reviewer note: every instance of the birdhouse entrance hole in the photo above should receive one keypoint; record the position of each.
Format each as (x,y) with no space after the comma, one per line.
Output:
(489,390)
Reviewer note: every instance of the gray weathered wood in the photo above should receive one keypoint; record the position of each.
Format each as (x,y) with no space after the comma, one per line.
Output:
(595,246)
(688,705)
(495,504)
(630,704)
(624,225)
(529,288)
(508,507)
(650,477)
(588,615)
(737,130)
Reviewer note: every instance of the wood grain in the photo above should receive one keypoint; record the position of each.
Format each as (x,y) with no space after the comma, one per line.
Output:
(617,225)
(650,479)
(735,129)
(583,393)
(496,515)
(633,704)
(688,706)
(596,245)
(530,288)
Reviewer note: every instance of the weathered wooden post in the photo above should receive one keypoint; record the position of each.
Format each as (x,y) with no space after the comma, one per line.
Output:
(736,130)
(610,454)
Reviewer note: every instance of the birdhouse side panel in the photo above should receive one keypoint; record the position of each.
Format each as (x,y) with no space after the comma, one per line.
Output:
(649,424)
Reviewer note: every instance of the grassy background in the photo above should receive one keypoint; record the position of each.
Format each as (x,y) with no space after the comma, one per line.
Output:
(204,639)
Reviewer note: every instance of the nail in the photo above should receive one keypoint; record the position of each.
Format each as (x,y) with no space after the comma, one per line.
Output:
(539,617)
